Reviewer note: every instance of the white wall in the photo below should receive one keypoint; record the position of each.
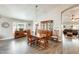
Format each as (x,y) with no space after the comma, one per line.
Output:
(7,33)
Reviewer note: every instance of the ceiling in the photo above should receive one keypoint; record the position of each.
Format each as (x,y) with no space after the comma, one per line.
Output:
(29,11)
(67,16)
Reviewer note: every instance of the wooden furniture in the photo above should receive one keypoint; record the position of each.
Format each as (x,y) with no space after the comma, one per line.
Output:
(45,33)
(32,40)
(43,42)
(21,33)
(28,32)
(46,29)
(47,25)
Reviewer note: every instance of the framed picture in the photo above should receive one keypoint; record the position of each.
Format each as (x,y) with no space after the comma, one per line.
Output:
(5,24)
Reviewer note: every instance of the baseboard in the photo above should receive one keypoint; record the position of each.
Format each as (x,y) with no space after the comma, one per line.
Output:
(8,38)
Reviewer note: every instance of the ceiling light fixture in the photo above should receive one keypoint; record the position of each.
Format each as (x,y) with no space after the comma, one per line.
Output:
(36,6)
(74,18)
(36,10)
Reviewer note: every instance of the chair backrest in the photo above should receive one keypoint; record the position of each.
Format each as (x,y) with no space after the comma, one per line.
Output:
(28,32)
(45,33)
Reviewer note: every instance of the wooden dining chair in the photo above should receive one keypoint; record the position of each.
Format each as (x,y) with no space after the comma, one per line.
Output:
(43,42)
(32,40)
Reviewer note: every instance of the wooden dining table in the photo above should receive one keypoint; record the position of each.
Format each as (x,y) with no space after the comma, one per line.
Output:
(42,42)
